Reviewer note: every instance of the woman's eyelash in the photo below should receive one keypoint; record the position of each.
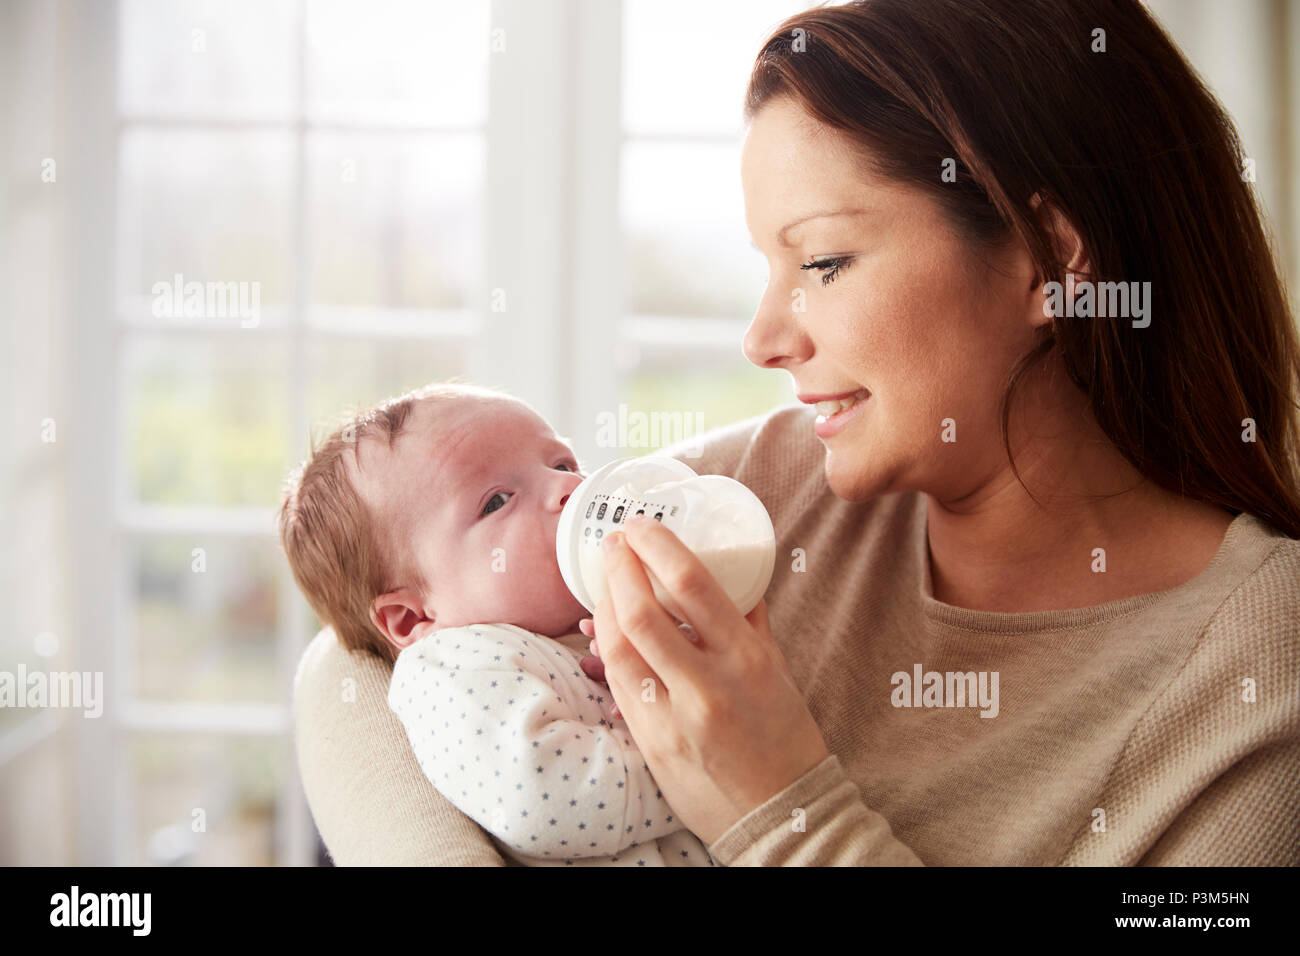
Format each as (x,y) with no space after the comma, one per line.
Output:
(834,265)
(572,465)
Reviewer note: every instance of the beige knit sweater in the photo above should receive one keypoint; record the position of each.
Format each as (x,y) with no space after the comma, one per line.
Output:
(1159,729)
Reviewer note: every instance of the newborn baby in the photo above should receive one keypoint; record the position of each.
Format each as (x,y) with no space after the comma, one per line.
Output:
(424,532)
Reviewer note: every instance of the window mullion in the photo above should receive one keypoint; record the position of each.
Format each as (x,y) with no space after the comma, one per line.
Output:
(92,370)
(294,840)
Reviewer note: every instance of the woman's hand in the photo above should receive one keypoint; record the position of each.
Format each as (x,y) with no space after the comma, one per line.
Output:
(716,715)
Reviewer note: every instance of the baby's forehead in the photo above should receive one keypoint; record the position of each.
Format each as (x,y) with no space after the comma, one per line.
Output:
(450,436)
(474,427)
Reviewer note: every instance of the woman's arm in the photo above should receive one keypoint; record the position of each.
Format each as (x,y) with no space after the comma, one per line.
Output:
(371,803)
(1249,816)
(1208,776)
(819,820)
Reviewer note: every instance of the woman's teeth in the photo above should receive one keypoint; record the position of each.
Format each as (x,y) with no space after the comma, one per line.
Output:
(827,409)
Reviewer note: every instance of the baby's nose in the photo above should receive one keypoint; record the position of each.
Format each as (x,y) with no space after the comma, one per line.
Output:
(564,500)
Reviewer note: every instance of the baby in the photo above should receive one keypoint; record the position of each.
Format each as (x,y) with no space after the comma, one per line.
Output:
(424,532)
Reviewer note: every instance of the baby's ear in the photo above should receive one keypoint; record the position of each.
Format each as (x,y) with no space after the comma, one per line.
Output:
(400,617)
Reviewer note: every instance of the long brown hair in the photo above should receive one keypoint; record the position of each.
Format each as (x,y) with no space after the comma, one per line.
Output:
(1123,137)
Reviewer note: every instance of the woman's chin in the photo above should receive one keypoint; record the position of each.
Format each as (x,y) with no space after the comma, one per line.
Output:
(852,480)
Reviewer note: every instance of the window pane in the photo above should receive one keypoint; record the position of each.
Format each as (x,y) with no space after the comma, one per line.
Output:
(397,61)
(355,373)
(686,63)
(18,650)
(35,628)
(211,206)
(395,219)
(686,245)
(199,58)
(708,389)
(234,781)
(205,618)
(206,420)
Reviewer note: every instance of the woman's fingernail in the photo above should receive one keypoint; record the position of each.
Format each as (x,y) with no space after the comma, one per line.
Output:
(635,519)
(592,647)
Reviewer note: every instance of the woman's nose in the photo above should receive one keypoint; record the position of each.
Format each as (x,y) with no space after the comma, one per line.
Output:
(773,338)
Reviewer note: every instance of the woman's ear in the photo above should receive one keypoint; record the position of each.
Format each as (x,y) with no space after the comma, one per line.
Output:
(1067,249)
(401,617)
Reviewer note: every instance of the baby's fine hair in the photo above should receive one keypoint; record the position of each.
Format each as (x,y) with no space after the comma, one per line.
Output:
(331,539)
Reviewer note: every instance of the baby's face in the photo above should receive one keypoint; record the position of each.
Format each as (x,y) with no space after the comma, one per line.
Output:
(470,495)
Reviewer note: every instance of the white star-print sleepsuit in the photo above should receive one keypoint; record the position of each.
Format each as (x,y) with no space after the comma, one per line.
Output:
(507,726)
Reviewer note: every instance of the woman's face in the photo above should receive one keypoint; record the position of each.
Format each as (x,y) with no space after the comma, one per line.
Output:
(913,313)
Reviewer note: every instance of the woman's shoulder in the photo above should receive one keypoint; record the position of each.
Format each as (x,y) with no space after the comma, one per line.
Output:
(1260,616)
(776,454)
(1241,676)
(779,457)
(781,433)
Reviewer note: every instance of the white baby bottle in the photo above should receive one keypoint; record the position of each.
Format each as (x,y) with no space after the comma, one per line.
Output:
(716,517)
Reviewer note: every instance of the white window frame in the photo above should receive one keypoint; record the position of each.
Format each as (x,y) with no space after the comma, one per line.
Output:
(552,241)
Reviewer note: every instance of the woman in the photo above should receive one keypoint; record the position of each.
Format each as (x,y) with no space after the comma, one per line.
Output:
(1042,603)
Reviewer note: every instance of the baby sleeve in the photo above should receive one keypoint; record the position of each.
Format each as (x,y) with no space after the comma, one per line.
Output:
(507,727)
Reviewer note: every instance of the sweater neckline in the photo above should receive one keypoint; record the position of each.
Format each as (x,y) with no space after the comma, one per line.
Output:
(1015,622)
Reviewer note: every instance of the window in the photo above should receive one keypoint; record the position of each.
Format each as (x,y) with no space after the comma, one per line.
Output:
(311,161)
(308,210)
(692,278)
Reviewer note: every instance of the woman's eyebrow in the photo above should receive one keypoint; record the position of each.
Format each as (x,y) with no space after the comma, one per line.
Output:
(781,237)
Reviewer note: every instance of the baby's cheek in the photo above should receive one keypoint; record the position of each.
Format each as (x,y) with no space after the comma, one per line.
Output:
(520,564)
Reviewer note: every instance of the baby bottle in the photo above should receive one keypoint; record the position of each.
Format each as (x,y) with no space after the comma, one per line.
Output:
(720,520)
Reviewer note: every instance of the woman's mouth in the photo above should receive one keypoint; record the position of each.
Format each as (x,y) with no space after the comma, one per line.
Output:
(834,415)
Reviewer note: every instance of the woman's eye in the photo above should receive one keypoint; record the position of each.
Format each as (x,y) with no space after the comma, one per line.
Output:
(829,268)
(488,509)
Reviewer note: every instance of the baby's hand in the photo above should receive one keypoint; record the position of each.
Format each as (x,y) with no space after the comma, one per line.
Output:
(593,666)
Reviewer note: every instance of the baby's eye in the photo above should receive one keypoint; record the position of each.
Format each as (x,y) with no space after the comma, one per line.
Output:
(488,509)
(570,466)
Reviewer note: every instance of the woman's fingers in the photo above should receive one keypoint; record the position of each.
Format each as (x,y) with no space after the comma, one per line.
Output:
(625,671)
(711,616)
(692,585)
(641,619)
(757,619)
